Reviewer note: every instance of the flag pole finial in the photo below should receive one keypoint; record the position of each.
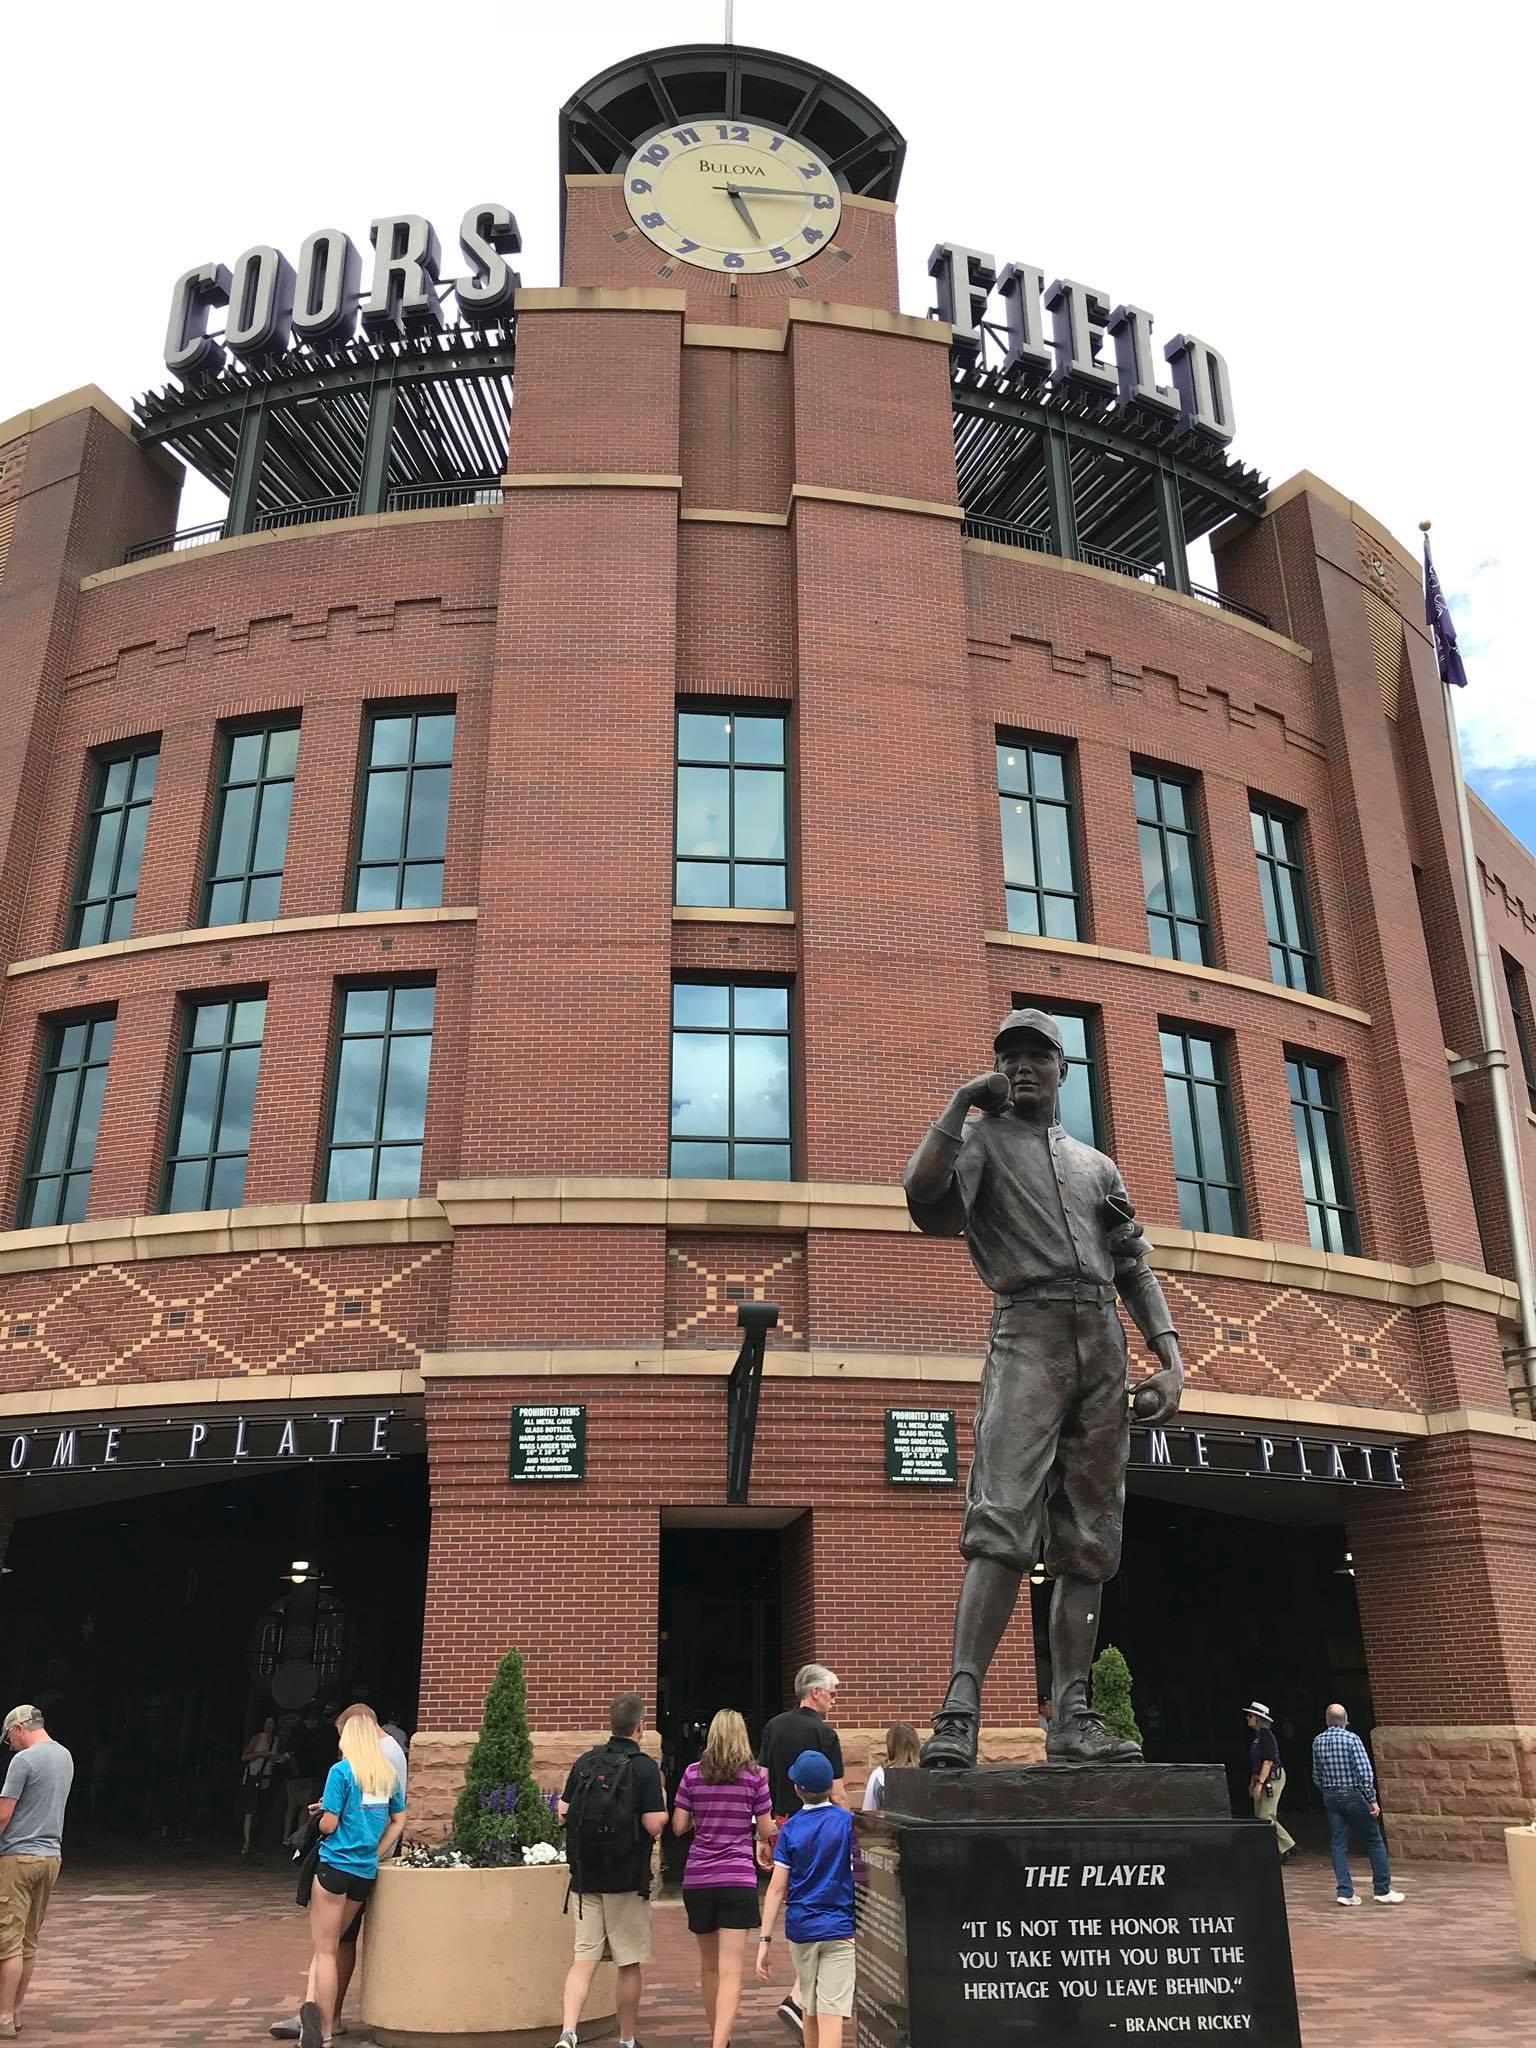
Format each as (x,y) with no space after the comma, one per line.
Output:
(1423,526)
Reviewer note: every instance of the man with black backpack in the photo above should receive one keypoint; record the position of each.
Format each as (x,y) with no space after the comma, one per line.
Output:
(614,1811)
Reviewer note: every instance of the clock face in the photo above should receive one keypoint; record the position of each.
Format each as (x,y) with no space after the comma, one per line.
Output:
(725,195)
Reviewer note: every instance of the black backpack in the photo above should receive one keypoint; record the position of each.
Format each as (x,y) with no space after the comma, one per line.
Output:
(602,1825)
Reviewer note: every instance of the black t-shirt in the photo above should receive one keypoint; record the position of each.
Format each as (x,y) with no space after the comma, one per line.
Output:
(307,1748)
(649,1798)
(1261,1747)
(786,1736)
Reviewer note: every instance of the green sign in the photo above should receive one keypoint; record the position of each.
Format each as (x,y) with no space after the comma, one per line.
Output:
(549,1442)
(920,1447)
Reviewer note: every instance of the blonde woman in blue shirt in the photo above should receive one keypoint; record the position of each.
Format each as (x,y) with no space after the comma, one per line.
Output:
(361,1815)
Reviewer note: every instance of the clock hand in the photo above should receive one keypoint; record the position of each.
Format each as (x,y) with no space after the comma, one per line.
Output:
(765,191)
(741,207)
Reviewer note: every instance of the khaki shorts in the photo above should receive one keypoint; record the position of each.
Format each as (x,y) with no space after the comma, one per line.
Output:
(26,1885)
(615,1924)
(824,1975)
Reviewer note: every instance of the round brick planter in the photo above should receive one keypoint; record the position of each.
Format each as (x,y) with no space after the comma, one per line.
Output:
(475,1958)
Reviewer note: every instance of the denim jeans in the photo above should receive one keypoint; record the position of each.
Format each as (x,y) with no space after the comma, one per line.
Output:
(1348,1810)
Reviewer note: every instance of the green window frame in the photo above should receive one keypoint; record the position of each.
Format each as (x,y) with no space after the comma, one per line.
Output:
(66,1120)
(1283,886)
(1079,1108)
(380,1075)
(1035,811)
(732,1081)
(402,833)
(1518,990)
(1205,1163)
(107,882)
(1318,1121)
(248,844)
(1172,868)
(214,1103)
(731,807)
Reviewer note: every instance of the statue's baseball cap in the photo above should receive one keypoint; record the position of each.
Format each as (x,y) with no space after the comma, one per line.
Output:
(14,1718)
(1017,1022)
(811,1772)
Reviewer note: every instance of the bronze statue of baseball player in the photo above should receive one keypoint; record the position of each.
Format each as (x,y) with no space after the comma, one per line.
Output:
(1053,1234)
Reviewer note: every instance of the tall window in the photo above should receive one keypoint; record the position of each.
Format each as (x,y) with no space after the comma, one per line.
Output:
(1319,1127)
(215,1098)
(732,810)
(1283,886)
(405,811)
(1200,1125)
(250,825)
(730,1081)
(74,1079)
(1039,859)
(108,884)
(379,1105)
(1171,872)
(1077,1105)
(1520,1011)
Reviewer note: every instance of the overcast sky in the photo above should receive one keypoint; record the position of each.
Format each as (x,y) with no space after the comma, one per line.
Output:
(1337,195)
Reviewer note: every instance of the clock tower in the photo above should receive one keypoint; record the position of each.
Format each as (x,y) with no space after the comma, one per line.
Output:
(737,176)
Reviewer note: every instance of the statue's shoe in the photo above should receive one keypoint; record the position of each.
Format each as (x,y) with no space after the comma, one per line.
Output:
(952,1745)
(1082,1738)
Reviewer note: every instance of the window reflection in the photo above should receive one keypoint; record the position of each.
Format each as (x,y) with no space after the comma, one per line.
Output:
(403,833)
(216,1101)
(731,810)
(379,1097)
(730,1113)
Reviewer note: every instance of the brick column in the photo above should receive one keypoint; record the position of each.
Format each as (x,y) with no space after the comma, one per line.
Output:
(1446,1573)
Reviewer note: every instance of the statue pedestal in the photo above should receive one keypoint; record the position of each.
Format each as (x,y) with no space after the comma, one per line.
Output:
(1069,1905)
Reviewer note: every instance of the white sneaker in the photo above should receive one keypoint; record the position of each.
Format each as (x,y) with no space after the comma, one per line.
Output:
(1348,1899)
(1388,1898)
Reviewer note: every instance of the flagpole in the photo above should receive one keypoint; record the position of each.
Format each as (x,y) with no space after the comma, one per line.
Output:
(1495,1057)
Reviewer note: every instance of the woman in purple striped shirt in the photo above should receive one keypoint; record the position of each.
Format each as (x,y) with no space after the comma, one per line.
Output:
(723,1798)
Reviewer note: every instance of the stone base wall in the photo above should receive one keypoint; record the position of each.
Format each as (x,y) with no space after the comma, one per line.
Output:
(438,1758)
(1448,1793)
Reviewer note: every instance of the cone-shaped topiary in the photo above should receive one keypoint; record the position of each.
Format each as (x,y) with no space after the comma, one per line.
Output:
(500,1799)
(1112,1694)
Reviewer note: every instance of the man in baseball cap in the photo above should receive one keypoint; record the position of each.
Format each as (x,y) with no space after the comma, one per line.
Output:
(32,1802)
(1052,1233)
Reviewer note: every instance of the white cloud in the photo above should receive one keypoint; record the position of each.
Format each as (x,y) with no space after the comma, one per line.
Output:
(1322,191)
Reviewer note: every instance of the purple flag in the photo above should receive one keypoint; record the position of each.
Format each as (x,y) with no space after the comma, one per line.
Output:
(1442,626)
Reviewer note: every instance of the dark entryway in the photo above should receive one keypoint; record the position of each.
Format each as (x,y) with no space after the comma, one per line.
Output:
(1213,1609)
(718,1643)
(157,1631)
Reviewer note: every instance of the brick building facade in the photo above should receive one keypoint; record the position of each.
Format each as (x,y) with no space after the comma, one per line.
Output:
(731,494)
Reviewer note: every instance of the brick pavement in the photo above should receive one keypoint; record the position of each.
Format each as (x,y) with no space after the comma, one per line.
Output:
(190,1954)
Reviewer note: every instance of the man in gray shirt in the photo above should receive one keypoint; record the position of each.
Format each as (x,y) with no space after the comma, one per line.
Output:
(32,1803)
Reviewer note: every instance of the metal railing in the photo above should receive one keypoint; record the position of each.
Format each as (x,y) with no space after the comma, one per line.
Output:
(173,543)
(1229,604)
(1007,536)
(311,512)
(1123,565)
(433,497)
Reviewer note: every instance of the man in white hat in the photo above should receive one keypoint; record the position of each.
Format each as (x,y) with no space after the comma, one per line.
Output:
(1266,1774)
(32,1804)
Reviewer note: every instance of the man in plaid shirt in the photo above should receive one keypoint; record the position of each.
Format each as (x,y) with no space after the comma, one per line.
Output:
(1342,1772)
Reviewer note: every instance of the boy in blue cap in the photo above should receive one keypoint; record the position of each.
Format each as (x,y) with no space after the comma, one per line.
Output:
(813,1863)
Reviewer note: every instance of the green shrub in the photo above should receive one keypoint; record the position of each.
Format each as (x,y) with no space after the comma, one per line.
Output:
(500,1801)
(1112,1694)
